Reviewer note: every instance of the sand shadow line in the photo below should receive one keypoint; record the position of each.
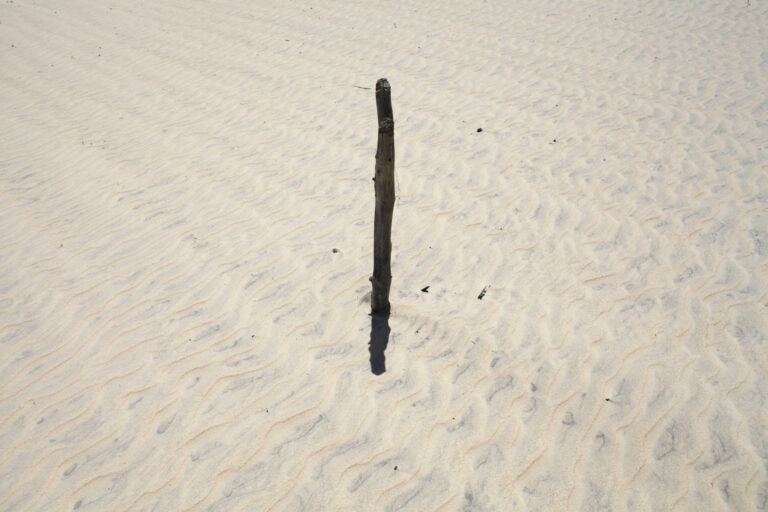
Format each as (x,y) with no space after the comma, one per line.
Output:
(379,340)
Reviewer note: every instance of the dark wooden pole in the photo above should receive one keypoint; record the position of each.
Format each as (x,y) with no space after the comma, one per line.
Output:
(384,185)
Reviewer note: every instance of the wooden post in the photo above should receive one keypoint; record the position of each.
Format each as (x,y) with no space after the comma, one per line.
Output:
(384,186)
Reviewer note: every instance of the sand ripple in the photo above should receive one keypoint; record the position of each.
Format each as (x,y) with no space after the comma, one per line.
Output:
(177,332)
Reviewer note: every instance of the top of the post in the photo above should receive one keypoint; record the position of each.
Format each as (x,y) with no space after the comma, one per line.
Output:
(382,83)
(384,105)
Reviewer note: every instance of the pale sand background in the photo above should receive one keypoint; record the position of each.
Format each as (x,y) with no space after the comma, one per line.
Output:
(177,334)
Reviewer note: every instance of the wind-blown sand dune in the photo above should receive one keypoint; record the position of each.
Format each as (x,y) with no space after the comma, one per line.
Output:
(177,333)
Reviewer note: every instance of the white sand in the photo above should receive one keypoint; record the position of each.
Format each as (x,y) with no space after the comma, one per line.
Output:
(177,334)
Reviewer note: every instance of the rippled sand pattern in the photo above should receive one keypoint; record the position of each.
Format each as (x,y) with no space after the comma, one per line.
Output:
(178,333)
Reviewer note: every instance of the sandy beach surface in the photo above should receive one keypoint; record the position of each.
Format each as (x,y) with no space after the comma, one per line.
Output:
(186,237)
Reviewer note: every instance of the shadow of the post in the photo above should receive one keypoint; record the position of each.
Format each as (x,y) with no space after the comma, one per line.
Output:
(379,341)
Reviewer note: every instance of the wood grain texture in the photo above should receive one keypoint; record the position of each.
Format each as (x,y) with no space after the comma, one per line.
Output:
(384,186)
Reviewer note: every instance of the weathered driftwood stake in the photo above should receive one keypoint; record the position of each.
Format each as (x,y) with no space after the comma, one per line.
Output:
(384,185)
